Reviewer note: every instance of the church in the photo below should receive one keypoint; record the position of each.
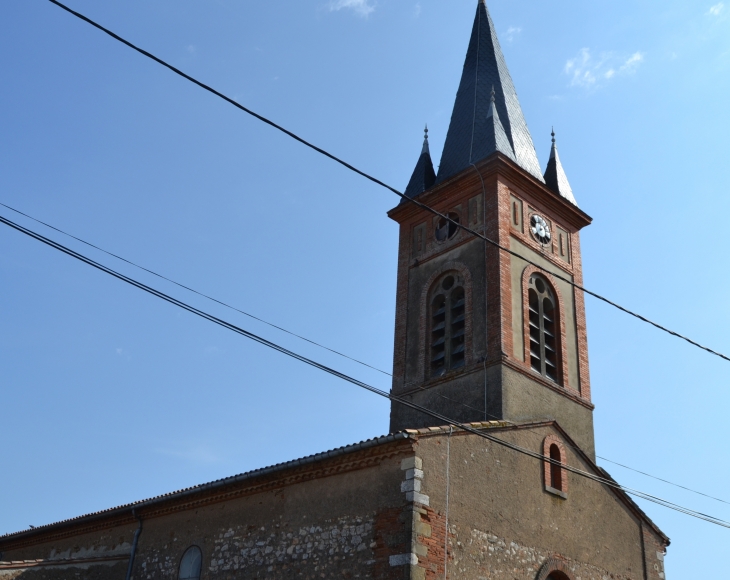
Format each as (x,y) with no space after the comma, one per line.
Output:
(491,334)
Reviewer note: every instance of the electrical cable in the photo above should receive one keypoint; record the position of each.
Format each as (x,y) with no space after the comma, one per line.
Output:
(394,398)
(304,338)
(487,415)
(381,183)
(663,480)
(195,291)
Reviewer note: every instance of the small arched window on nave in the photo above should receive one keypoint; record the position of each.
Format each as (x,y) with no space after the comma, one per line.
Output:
(448,325)
(544,328)
(556,476)
(556,469)
(191,564)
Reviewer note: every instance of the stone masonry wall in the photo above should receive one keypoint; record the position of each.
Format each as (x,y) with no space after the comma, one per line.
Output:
(341,548)
(482,554)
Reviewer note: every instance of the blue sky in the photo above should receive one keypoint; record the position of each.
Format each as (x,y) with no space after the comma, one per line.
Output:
(111,396)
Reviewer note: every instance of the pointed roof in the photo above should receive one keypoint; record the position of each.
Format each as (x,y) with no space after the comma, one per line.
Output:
(468,139)
(555,177)
(495,138)
(423,175)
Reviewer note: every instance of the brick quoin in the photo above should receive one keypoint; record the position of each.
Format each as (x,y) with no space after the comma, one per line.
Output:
(435,543)
(391,539)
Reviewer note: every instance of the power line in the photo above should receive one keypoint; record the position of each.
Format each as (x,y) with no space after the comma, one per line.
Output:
(663,480)
(379,182)
(194,291)
(446,420)
(235,309)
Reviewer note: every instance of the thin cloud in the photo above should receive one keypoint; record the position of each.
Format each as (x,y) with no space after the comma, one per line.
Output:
(512,33)
(417,10)
(362,8)
(588,71)
(632,63)
(716,10)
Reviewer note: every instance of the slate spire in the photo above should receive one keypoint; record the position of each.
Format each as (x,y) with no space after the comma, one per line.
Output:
(495,137)
(469,137)
(423,175)
(555,177)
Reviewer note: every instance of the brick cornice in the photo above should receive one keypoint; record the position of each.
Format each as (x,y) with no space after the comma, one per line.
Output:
(498,164)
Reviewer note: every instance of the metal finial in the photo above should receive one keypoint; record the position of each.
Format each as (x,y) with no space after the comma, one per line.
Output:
(425,132)
(553,134)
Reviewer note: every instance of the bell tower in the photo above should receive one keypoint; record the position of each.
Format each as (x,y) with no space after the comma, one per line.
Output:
(480,333)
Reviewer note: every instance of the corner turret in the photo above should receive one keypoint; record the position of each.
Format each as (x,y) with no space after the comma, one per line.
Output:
(555,177)
(423,175)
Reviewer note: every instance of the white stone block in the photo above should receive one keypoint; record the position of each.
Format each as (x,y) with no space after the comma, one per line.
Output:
(417,497)
(411,463)
(404,560)
(414,474)
(411,485)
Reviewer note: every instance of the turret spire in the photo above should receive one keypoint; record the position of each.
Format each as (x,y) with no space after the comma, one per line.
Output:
(495,138)
(423,175)
(555,177)
(469,136)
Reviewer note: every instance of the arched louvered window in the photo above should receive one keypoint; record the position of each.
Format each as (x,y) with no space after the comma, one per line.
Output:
(544,327)
(191,564)
(448,326)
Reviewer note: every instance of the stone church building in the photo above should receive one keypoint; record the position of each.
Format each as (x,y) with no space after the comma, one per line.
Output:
(493,338)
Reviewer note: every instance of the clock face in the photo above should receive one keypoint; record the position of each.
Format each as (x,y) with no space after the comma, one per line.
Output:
(540,229)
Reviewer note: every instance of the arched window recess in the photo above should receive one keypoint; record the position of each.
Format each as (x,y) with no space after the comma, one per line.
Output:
(556,476)
(448,325)
(544,328)
(191,564)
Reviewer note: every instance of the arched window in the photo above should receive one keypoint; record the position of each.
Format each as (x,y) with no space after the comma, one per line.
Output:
(556,471)
(448,325)
(555,568)
(556,481)
(191,564)
(544,328)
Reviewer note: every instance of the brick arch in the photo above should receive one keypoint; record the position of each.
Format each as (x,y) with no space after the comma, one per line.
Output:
(526,274)
(549,441)
(556,566)
(465,273)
